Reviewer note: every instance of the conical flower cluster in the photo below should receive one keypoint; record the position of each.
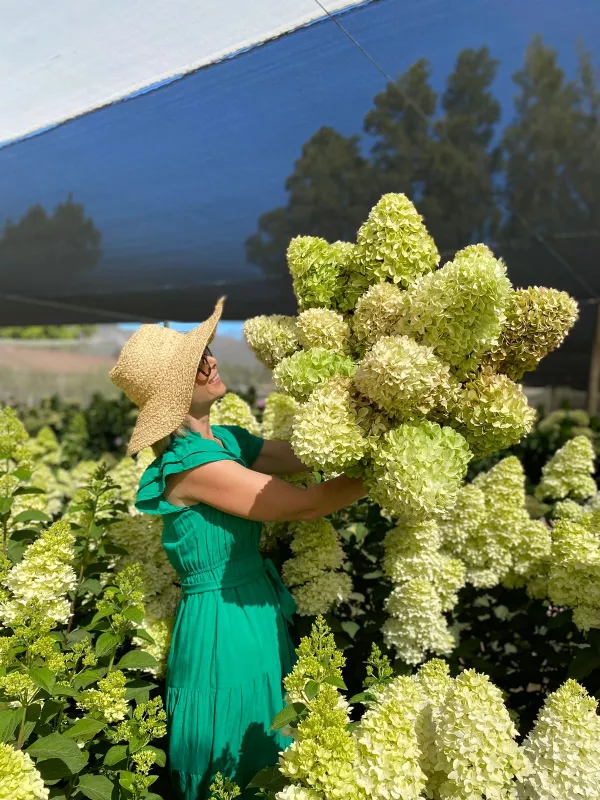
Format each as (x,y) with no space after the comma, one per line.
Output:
(233,410)
(569,472)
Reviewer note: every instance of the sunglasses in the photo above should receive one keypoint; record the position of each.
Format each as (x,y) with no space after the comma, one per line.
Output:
(204,367)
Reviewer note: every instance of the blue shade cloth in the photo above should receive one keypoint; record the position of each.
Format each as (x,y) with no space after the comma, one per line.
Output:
(176,179)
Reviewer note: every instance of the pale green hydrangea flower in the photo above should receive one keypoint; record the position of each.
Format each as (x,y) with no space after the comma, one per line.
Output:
(44,447)
(393,244)
(574,572)
(327,434)
(322,593)
(44,576)
(293,792)
(569,472)
(272,338)
(459,309)
(278,417)
(376,314)
(564,748)
(233,410)
(316,548)
(389,756)
(315,266)
(537,321)
(417,470)
(323,755)
(19,778)
(299,374)
(403,378)
(414,552)
(322,327)
(107,702)
(416,625)
(568,509)
(492,413)
(477,751)
(13,436)
(434,681)
(318,659)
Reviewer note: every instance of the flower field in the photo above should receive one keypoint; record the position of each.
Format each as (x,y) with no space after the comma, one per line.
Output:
(448,625)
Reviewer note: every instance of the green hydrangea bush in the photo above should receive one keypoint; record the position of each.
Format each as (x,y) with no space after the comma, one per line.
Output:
(78,712)
(425,735)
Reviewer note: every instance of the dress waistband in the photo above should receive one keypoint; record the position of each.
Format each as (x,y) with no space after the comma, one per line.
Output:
(234,572)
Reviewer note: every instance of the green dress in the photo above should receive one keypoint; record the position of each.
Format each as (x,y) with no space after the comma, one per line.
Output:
(231,646)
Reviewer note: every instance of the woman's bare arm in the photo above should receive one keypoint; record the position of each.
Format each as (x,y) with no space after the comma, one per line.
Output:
(278,458)
(230,487)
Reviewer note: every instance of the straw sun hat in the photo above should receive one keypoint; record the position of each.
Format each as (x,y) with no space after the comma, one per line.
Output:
(157,371)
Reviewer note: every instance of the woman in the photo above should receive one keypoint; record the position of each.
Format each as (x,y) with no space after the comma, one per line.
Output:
(213,486)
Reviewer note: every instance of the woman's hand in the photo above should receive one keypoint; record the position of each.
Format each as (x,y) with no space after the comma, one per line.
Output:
(277,458)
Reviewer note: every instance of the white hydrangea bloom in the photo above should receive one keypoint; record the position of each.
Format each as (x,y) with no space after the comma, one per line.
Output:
(325,591)
(322,327)
(402,377)
(327,434)
(19,779)
(294,792)
(278,417)
(475,738)
(389,756)
(416,625)
(376,314)
(141,537)
(569,472)
(564,748)
(272,338)
(45,575)
(232,410)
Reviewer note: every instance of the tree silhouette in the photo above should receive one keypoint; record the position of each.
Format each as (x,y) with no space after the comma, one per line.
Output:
(470,181)
(44,247)
(330,193)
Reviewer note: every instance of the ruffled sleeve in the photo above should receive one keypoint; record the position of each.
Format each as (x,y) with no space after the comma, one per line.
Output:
(185,453)
(248,445)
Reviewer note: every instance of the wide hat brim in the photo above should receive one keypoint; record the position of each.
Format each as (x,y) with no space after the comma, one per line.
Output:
(168,407)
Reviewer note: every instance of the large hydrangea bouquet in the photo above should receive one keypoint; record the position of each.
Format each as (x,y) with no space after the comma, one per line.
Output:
(401,371)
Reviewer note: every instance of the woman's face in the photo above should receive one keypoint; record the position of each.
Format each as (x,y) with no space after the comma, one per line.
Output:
(209,386)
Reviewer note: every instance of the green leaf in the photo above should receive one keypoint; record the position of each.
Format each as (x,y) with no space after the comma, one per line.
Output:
(115,550)
(31,720)
(140,633)
(100,615)
(585,662)
(21,474)
(126,779)
(60,748)
(107,642)
(335,681)
(137,659)
(28,516)
(28,490)
(352,726)
(134,614)
(9,720)
(50,709)
(91,585)
(287,715)
(85,728)
(5,505)
(43,678)
(96,787)
(311,689)
(269,779)
(115,755)
(138,690)
(362,697)
(64,690)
